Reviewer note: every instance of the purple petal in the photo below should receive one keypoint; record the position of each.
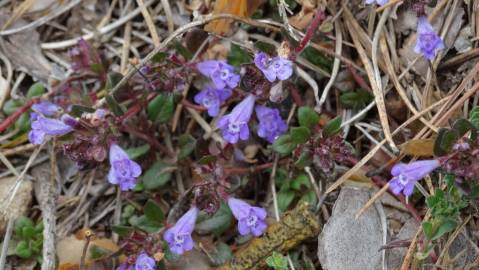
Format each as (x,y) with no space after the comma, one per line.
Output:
(409,188)
(259,212)
(213,111)
(261,60)
(208,67)
(46,108)
(239,208)
(423,25)
(259,229)
(36,136)
(419,169)
(233,80)
(397,169)
(177,249)
(224,94)
(395,186)
(117,153)
(127,184)
(231,138)
(270,74)
(286,68)
(188,244)
(53,127)
(244,132)
(186,223)
(199,97)
(243,228)
(112,177)
(241,113)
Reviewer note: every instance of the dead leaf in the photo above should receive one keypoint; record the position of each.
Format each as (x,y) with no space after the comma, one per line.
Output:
(302,19)
(418,147)
(70,250)
(241,8)
(23,50)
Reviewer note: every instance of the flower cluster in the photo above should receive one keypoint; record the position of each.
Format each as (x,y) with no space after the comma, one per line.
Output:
(42,126)
(271,125)
(251,220)
(123,171)
(329,151)
(428,42)
(274,68)
(462,161)
(222,74)
(405,176)
(235,124)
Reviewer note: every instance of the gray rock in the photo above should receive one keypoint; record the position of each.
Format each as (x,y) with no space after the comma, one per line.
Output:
(395,256)
(348,243)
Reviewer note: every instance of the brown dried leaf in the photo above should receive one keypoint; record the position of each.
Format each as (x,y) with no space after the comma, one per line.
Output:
(242,8)
(418,147)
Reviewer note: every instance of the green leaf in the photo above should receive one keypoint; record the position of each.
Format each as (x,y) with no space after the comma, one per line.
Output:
(303,160)
(277,261)
(300,181)
(300,135)
(23,250)
(238,56)
(221,254)
(284,144)
(136,152)
(307,117)
(332,127)
(97,252)
(23,122)
(474,193)
(113,79)
(161,108)
(356,100)
(22,222)
(310,198)
(11,106)
(39,228)
(265,47)
(427,228)
(285,198)
(78,110)
(446,226)
(145,224)
(463,126)
(122,230)
(28,232)
(159,57)
(187,144)
(446,138)
(114,106)
(182,50)
(157,175)
(216,224)
(207,159)
(317,58)
(153,211)
(35,90)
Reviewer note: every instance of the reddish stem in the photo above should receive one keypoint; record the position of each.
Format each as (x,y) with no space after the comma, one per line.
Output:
(253,169)
(188,104)
(318,17)
(358,79)
(12,118)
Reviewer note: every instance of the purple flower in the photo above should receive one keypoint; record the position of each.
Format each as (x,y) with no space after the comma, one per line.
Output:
(46,108)
(145,262)
(272,68)
(70,120)
(251,219)
(235,124)
(42,126)
(222,74)
(212,98)
(379,2)
(271,126)
(428,42)
(123,171)
(406,175)
(179,236)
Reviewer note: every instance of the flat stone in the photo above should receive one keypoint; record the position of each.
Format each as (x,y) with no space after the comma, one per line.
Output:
(348,243)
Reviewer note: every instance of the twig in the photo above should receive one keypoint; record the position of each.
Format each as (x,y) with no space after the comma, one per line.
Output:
(149,23)
(377,88)
(334,72)
(169,15)
(71,42)
(88,235)
(6,241)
